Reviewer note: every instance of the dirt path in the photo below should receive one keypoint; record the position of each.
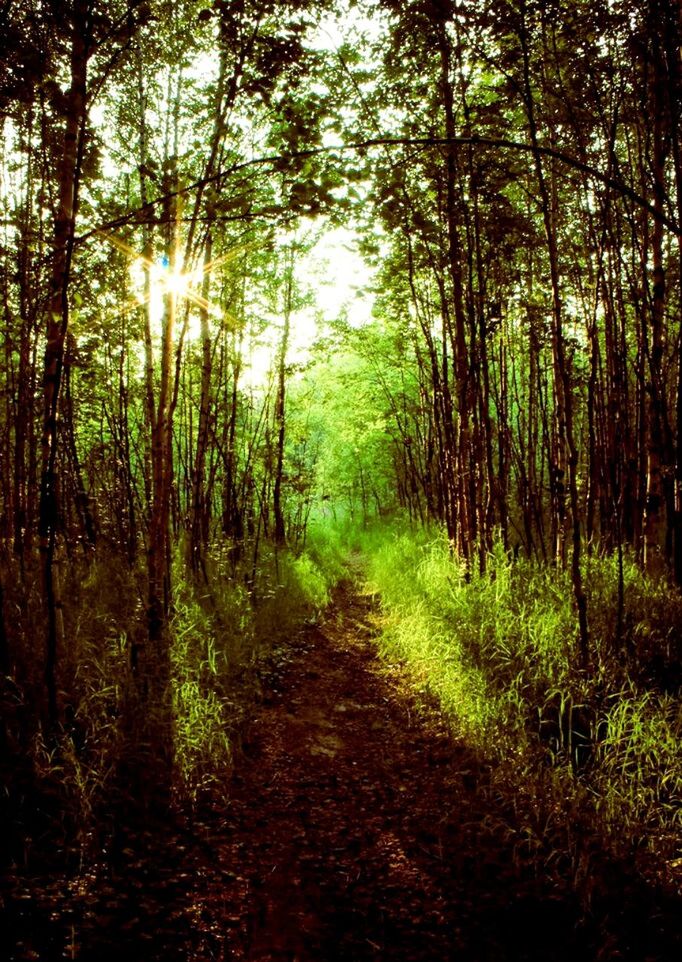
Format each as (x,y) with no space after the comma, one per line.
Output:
(357,830)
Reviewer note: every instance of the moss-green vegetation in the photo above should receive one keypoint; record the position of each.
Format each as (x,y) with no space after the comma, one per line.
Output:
(500,652)
(220,639)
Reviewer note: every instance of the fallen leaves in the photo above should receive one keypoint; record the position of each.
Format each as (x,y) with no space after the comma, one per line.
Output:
(356,829)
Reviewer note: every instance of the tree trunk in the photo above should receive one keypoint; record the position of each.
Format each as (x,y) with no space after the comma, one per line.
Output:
(199,524)
(465,509)
(656,415)
(161,457)
(57,327)
(565,459)
(280,411)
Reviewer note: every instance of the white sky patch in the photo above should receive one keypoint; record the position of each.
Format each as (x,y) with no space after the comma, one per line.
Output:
(339,280)
(339,277)
(257,360)
(347,25)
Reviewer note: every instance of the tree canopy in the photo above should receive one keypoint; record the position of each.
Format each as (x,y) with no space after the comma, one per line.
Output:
(178,403)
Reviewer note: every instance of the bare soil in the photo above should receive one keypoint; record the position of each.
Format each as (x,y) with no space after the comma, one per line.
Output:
(359,829)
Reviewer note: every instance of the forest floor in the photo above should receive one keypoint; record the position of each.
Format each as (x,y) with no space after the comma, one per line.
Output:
(357,828)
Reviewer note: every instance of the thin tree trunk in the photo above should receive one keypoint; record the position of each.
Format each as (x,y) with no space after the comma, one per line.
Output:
(465,509)
(280,409)
(565,451)
(161,447)
(57,327)
(199,524)
(654,520)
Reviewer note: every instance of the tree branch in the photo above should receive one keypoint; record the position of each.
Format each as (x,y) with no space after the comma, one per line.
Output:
(475,140)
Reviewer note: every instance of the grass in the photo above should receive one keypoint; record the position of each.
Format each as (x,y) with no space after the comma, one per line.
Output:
(221,633)
(500,653)
(218,640)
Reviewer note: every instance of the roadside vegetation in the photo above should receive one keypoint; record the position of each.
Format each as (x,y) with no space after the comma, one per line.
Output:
(223,635)
(580,752)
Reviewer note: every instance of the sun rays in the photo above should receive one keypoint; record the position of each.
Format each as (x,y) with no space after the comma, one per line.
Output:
(153,278)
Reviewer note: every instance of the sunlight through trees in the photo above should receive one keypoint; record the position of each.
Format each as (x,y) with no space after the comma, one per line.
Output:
(271,270)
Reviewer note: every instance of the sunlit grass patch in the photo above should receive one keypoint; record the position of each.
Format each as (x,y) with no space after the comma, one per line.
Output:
(639,769)
(312,582)
(326,544)
(500,652)
(199,666)
(202,746)
(219,636)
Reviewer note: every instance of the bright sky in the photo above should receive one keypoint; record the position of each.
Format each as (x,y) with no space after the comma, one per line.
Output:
(336,29)
(339,280)
(339,277)
(332,270)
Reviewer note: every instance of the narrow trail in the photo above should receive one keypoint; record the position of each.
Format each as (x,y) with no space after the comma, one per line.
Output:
(357,829)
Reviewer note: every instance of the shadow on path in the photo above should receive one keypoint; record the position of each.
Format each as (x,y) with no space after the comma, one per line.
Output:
(357,829)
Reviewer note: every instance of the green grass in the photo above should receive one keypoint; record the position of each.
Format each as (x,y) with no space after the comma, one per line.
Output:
(220,636)
(500,652)
(221,633)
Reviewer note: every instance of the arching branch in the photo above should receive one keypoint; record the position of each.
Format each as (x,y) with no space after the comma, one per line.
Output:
(474,140)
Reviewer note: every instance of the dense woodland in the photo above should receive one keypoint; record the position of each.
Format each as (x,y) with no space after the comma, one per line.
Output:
(502,430)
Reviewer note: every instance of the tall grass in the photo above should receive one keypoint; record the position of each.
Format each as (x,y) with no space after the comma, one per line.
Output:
(500,652)
(219,637)
(221,632)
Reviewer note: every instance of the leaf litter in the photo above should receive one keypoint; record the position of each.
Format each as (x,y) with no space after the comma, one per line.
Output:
(356,828)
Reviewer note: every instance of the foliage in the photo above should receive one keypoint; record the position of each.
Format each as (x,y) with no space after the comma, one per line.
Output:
(221,639)
(498,650)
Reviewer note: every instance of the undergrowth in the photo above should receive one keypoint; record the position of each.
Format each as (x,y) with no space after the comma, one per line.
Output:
(220,633)
(59,786)
(500,652)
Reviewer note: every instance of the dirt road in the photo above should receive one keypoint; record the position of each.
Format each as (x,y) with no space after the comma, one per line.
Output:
(358,829)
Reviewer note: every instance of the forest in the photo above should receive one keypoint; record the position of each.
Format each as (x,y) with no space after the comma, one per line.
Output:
(341,480)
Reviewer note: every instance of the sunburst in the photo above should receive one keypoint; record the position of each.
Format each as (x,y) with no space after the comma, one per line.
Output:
(166,280)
